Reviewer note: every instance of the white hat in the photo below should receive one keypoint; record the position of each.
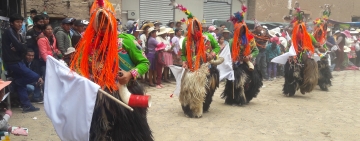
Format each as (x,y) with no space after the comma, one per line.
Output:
(163,30)
(151,29)
(283,41)
(274,31)
(352,29)
(265,27)
(347,49)
(69,50)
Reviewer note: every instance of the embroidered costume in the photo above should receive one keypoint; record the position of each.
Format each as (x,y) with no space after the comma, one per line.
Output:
(248,79)
(103,55)
(201,77)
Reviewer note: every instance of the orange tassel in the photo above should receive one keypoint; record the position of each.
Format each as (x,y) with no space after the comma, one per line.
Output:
(201,55)
(102,49)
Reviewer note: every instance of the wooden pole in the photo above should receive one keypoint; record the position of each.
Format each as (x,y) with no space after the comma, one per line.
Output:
(116,100)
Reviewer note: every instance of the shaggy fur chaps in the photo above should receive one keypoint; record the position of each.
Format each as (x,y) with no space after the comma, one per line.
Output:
(112,122)
(197,90)
(324,74)
(300,75)
(244,88)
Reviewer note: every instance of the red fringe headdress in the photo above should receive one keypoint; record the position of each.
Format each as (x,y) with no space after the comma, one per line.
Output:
(96,57)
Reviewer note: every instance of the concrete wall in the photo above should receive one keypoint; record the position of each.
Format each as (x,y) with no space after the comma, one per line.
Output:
(130,5)
(78,9)
(275,10)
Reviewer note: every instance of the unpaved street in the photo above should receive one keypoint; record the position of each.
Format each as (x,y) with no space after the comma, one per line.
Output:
(317,116)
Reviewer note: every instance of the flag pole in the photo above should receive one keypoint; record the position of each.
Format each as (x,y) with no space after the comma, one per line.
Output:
(116,100)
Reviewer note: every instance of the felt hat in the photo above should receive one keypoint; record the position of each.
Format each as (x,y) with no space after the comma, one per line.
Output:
(69,50)
(226,30)
(163,30)
(170,30)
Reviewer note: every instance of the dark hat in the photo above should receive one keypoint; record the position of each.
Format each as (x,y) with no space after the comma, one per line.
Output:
(79,23)
(157,22)
(68,21)
(171,21)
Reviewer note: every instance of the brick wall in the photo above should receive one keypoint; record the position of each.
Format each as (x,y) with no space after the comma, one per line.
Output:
(78,9)
(275,10)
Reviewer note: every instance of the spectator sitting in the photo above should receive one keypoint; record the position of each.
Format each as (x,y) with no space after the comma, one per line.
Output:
(62,35)
(46,19)
(13,49)
(34,88)
(48,44)
(4,125)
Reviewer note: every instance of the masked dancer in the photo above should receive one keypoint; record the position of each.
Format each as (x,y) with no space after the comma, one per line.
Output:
(201,77)
(320,32)
(114,62)
(301,71)
(248,79)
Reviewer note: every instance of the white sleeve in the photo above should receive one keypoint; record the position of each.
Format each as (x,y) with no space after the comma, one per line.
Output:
(4,121)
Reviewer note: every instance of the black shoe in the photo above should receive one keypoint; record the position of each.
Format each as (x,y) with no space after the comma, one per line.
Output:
(39,101)
(30,109)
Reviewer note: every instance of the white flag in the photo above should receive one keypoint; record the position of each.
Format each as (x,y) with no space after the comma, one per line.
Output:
(69,101)
(225,68)
(282,59)
(178,73)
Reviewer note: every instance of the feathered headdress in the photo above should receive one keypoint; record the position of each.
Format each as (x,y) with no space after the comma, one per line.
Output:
(239,16)
(191,37)
(240,40)
(96,57)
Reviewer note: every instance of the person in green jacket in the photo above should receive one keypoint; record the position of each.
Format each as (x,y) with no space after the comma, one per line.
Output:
(248,79)
(201,76)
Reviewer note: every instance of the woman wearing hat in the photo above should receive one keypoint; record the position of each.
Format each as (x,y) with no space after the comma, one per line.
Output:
(164,58)
(150,52)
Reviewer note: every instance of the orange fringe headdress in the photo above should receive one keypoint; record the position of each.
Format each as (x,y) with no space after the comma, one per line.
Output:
(321,25)
(306,39)
(319,28)
(191,36)
(96,57)
(238,20)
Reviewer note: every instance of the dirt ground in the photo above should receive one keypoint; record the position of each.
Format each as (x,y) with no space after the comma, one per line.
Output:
(316,116)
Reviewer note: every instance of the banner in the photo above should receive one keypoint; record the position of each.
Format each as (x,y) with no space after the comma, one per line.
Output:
(69,101)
